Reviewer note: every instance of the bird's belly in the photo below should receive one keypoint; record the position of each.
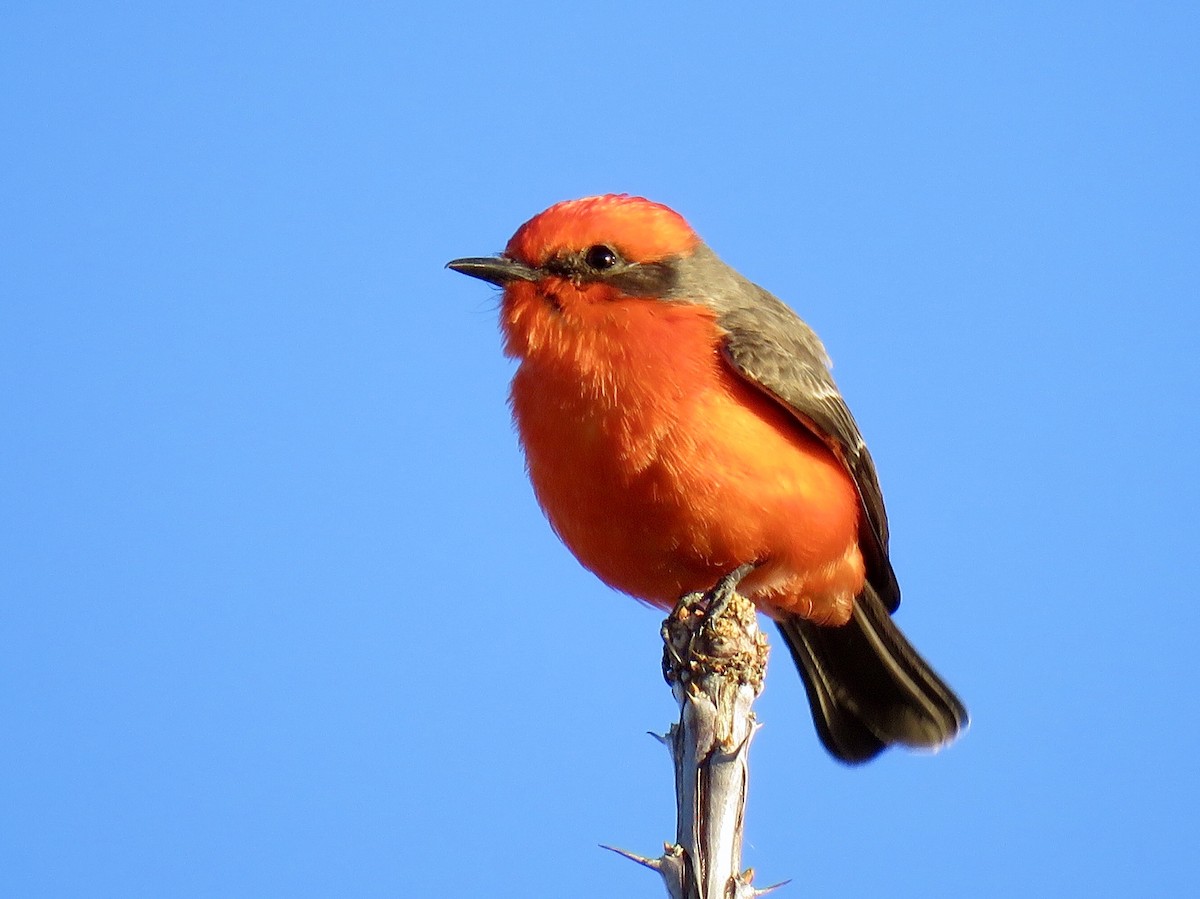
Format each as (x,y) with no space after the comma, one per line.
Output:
(664,494)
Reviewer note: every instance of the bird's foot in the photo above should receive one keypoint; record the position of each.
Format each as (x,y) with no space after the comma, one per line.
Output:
(716,600)
(694,618)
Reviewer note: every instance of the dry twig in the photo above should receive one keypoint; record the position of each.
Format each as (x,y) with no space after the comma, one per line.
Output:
(714,659)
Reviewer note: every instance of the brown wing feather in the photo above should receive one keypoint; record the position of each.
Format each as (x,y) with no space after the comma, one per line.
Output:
(868,687)
(772,348)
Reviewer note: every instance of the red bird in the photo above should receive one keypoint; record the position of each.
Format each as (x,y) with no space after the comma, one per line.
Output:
(679,422)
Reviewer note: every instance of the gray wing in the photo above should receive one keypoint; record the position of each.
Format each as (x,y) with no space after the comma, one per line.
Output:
(770,347)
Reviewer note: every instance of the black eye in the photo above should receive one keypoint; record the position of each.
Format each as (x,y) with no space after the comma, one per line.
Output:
(601,257)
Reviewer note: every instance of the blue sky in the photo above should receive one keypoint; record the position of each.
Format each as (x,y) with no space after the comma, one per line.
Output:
(279,615)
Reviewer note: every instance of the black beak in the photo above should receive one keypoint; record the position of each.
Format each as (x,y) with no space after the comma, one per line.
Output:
(496,269)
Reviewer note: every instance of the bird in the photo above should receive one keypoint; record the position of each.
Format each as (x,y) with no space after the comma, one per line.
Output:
(679,422)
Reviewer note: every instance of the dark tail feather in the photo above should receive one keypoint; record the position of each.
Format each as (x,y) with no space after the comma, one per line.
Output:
(868,687)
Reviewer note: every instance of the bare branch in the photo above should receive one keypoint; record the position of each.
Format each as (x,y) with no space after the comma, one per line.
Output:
(714,659)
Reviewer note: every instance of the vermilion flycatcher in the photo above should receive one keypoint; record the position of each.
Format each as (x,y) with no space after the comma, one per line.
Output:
(679,422)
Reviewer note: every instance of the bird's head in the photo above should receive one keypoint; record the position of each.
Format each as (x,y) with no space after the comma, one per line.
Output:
(569,269)
(601,247)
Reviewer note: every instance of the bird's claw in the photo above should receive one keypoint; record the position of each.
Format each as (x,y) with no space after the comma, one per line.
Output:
(717,599)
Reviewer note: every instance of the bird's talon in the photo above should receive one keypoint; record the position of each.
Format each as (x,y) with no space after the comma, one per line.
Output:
(718,598)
